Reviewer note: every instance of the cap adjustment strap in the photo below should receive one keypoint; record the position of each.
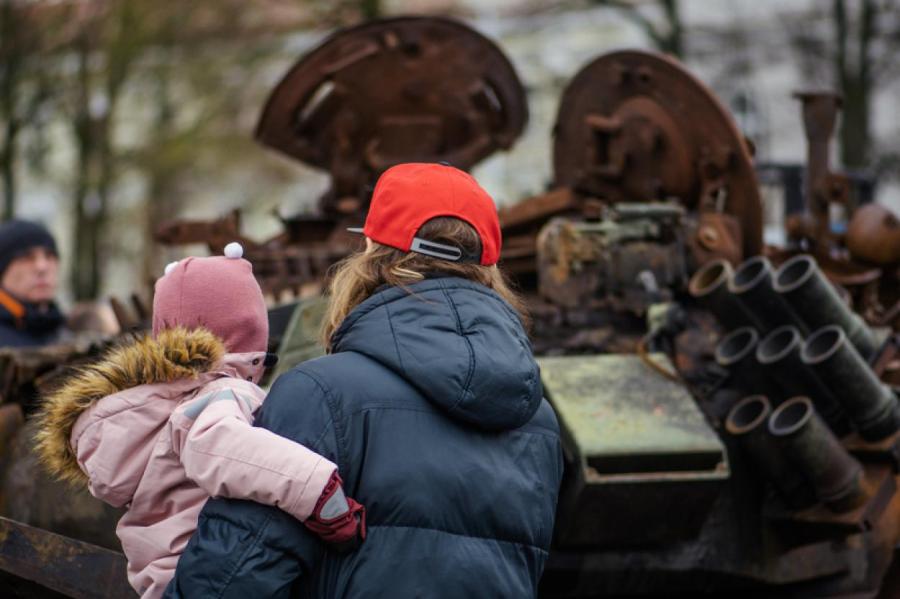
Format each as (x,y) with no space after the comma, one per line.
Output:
(435,250)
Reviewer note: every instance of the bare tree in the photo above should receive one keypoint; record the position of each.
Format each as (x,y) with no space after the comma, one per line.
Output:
(336,13)
(857,47)
(108,43)
(24,89)
(853,73)
(660,20)
(665,28)
(160,46)
(198,91)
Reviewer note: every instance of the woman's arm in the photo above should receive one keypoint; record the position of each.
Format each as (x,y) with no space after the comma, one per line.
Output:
(244,549)
(227,457)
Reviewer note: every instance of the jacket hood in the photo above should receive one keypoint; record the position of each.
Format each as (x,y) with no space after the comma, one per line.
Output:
(459,343)
(174,354)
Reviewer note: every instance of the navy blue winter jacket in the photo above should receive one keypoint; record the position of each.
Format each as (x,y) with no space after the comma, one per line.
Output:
(36,328)
(431,407)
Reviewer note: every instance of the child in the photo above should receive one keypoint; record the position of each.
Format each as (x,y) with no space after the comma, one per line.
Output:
(165,421)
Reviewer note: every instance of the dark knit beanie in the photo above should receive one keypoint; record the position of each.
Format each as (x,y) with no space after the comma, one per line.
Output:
(17,237)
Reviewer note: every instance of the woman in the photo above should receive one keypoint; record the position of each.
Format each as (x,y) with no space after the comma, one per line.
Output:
(430,404)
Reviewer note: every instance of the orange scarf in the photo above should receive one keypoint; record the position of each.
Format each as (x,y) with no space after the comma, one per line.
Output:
(15,308)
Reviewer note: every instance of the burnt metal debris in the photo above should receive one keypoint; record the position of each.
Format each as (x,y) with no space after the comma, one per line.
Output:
(748,422)
(391,91)
(369,97)
(727,408)
(54,540)
(871,404)
(811,446)
(43,561)
(802,284)
(780,356)
(299,256)
(629,259)
(636,127)
(823,187)
(873,235)
(753,286)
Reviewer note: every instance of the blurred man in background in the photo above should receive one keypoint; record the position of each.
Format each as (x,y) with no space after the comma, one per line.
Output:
(29,274)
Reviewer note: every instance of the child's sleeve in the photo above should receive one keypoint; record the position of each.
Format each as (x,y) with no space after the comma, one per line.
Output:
(245,549)
(228,457)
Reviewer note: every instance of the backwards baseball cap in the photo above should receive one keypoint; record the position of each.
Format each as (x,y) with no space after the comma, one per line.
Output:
(409,195)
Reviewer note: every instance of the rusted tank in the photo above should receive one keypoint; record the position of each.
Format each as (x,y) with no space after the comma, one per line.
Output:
(797,486)
(694,458)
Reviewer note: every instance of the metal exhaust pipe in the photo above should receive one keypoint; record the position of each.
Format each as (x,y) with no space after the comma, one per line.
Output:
(814,299)
(871,404)
(747,423)
(779,355)
(752,285)
(835,475)
(709,286)
(736,353)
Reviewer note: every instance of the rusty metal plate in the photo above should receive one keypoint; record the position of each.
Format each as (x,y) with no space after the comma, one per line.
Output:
(67,566)
(641,450)
(628,421)
(636,126)
(409,89)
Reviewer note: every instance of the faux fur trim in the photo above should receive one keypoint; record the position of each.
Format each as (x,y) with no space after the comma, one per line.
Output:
(174,354)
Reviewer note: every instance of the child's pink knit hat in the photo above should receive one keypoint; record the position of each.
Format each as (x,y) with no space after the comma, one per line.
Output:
(218,293)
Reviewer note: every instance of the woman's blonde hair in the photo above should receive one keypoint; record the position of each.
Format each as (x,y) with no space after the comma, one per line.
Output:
(358,276)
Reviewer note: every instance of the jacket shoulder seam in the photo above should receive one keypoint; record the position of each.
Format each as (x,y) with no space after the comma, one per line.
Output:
(459,331)
(335,414)
(394,336)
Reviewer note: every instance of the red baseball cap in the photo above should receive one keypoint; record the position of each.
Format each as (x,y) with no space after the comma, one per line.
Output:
(409,195)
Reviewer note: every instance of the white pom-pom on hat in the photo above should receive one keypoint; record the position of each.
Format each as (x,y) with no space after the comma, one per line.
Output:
(171,266)
(234,250)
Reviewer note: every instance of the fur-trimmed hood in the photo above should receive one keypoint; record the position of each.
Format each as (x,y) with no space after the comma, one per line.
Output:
(174,355)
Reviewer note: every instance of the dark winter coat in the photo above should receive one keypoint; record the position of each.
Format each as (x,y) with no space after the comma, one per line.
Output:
(33,329)
(431,406)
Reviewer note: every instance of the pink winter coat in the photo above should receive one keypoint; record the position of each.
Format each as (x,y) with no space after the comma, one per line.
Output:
(159,426)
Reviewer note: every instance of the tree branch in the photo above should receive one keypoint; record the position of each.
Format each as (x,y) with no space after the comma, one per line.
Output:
(839,15)
(666,41)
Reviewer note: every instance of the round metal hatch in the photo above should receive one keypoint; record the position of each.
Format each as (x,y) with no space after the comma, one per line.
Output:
(636,126)
(395,90)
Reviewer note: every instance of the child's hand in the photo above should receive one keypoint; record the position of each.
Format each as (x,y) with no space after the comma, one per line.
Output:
(337,519)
